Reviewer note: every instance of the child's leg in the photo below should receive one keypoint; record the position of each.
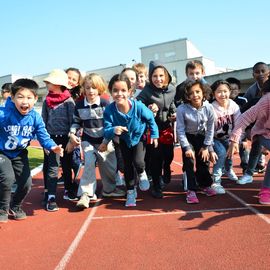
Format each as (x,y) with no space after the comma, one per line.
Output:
(88,180)
(156,164)
(254,155)
(23,177)
(266,181)
(168,155)
(52,175)
(107,165)
(7,178)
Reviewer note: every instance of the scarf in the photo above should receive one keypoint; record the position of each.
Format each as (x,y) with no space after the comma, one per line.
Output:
(54,99)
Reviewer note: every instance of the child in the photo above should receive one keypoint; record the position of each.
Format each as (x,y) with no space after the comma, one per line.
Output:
(195,129)
(5,92)
(19,124)
(57,112)
(88,116)
(194,71)
(260,74)
(128,119)
(141,70)
(133,78)
(159,96)
(259,132)
(226,112)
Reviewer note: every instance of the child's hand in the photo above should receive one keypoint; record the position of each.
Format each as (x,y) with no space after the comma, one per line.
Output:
(154,142)
(153,107)
(233,148)
(118,130)
(213,157)
(58,150)
(74,139)
(102,147)
(69,147)
(265,151)
(204,154)
(190,154)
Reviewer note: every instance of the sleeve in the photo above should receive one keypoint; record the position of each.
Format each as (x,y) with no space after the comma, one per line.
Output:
(44,113)
(144,97)
(70,110)
(149,117)
(209,135)
(248,117)
(181,129)
(76,121)
(108,124)
(42,134)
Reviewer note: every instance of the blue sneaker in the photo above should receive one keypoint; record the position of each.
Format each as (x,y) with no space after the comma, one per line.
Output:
(131,199)
(143,181)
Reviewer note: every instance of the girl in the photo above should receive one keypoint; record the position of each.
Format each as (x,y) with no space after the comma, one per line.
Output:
(128,119)
(57,112)
(195,129)
(88,116)
(259,114)
(226,113)
(159,96)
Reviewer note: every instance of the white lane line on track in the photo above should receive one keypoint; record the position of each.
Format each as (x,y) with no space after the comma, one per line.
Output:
(250,208)
(172,213)
(72,248)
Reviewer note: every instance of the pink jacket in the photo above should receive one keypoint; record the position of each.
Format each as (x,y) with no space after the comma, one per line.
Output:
(259,113)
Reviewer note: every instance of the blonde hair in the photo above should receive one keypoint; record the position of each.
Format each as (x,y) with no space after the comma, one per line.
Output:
(140,68)
(97,82)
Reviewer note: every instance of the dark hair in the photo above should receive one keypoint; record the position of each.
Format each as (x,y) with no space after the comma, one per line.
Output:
(189,83)
(131,69)
(119,78)
(232,80)
(258,64)
(217,83)
(24,83)
(6,87)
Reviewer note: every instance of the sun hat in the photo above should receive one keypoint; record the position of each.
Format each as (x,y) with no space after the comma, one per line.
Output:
(58,77)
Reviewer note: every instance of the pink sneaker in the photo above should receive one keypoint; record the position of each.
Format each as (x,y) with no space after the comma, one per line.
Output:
(191,197)
(208,191)
(264,196)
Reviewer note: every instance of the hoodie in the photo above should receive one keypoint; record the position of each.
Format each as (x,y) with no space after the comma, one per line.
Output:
(163,97)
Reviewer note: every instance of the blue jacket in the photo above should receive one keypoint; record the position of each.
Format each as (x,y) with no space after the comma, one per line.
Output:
(17,130)
(136,120)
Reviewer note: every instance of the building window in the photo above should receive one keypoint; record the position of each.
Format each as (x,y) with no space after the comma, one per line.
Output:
(169,54)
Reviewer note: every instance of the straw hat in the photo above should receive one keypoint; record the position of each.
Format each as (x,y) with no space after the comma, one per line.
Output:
(58,77)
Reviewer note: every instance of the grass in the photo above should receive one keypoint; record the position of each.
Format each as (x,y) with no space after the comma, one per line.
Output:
(35,156)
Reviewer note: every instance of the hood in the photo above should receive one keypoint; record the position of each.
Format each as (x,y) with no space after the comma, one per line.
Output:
(155,64)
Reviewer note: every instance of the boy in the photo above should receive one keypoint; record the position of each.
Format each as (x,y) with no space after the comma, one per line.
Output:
(19,124)
(141,70)
(194,71)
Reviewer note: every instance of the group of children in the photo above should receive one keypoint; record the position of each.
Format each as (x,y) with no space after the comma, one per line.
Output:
(130,134)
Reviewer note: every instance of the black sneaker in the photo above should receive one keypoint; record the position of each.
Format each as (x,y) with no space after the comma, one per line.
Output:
(3,216)
(157,193)
(51,205)
(17,213)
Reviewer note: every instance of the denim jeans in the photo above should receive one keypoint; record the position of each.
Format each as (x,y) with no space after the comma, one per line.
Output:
(220,147)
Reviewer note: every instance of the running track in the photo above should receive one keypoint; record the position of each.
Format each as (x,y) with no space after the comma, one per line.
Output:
(230,231)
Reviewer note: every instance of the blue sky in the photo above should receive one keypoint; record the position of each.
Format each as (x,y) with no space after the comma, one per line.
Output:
(39,35)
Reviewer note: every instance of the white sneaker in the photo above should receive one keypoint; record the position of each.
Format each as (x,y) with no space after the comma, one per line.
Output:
(245,179)
(218,188)
(231,175)
(143,181)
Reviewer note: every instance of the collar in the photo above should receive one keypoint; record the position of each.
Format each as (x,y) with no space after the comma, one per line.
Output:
(97,102)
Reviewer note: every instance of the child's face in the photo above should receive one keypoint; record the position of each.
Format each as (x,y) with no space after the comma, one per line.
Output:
(5,95)
(132,78)
(73,78)
(222,94)
(24,100)
(158,78)
(261,74)
(120,93)
(234,90)
(196,96)
(195,74)
(53,87)
(141,80)
(90,93)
